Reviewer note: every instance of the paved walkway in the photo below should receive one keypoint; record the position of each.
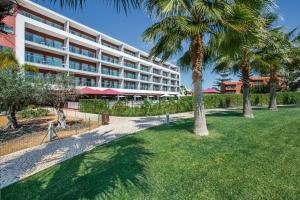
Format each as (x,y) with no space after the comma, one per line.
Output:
(21,164)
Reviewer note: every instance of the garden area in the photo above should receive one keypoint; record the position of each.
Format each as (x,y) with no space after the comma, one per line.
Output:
(240,159)
(33,129)
(184,104)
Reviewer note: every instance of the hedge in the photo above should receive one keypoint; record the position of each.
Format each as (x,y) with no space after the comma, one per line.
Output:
(184,104)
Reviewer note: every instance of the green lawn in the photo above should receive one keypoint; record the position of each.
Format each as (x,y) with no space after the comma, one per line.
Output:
(241,159)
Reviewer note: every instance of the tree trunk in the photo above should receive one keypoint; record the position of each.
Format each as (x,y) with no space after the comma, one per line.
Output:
(197,55)
(12,119)
(61,118)
(247,110)
(273,87)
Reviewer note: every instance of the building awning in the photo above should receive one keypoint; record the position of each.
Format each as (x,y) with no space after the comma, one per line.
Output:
(89,91)
(110,92)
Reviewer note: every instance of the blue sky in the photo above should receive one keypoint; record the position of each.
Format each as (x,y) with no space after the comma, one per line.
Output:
(129,28)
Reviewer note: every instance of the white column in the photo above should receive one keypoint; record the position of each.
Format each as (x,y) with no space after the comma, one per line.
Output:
(67,26)
(67,56)
(98,39)
(20,39)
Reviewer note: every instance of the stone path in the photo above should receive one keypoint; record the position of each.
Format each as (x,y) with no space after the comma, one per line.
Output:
(21,164)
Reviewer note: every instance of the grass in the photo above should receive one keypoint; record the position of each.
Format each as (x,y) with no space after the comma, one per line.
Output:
(241,159)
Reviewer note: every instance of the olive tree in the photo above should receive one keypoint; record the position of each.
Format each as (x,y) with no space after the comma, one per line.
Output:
(58,91)
(16,91)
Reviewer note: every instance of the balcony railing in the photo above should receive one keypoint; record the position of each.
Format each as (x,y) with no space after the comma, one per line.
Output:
(156,72)
(156,81)
(110,72)
(43,41)
(129,53)
(131,76)
(130,86)
(108,84)
(82,35)
(146,69)
(144,78)
(26,14)
(82,52)
(131,65)
(85,83)
(143,87)
(88,68)
(37,58)
(110,46)
(109,59)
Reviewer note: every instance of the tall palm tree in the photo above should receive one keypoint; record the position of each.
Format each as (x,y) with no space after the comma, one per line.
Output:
(235,49)
(191,22)
(280,53)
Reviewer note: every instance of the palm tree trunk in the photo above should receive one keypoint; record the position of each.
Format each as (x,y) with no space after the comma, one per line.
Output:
(273,87)
(12,119)
(247,110)
(61,121)
(197,55)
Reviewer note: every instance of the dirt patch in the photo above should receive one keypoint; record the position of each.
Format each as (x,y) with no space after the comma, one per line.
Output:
(33,132)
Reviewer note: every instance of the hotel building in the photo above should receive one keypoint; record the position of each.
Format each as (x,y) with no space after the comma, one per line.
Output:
(55,43)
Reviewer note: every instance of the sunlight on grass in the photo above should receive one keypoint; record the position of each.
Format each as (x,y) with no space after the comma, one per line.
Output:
(240,159)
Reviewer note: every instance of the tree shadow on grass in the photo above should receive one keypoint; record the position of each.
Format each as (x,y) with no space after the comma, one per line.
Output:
(226,114)
(95,174)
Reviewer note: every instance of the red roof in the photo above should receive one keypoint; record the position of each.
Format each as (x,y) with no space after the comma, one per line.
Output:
(110,92)
(89,91)
(210,91)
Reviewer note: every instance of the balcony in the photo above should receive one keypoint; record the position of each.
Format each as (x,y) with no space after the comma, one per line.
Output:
(144,78)
(156,81)
(130,86)
(156,72)
(145,69)
(131,65)
(130,76)
(83,52)
(85,83)
(129,52)
(34,17)
(41,59)
(82,66)
(165,74)
(82,35)
(43,41)
(110,46)
(110,59)
(144,87)
(110,72)
(110,84)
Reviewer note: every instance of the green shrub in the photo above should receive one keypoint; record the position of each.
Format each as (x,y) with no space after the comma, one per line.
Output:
(33,113)
(93,105)
(184,104)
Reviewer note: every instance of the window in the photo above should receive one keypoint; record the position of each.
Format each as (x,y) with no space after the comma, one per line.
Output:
(7,29)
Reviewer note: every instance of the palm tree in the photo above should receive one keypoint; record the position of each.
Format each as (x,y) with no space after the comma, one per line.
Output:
(235,49)
(280,53)
(190,22)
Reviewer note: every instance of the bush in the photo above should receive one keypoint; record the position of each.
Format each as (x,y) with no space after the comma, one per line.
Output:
(184,104)
(93,105)
(33,113)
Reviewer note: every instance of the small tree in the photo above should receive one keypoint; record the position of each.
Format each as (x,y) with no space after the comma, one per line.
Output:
(58,91)
(16,91)
(224,76)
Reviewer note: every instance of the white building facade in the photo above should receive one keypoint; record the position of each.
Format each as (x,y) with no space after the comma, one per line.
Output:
(54,43)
